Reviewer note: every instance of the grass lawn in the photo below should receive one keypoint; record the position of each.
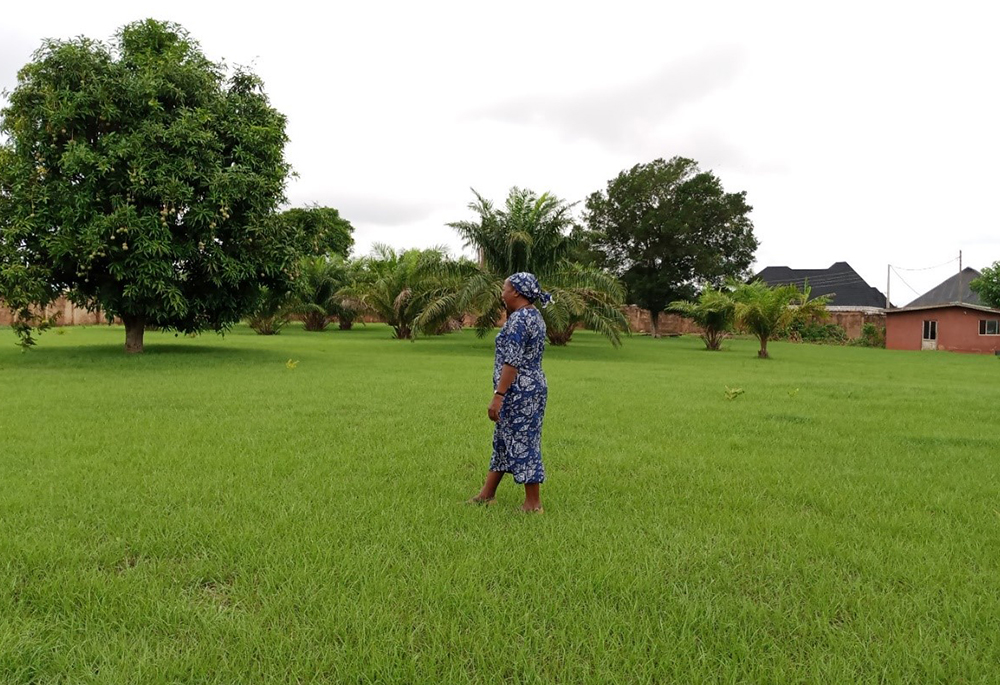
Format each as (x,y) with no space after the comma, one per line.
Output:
(204,513)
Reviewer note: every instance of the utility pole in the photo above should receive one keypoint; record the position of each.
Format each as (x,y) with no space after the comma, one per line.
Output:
(961,287)
(888,281)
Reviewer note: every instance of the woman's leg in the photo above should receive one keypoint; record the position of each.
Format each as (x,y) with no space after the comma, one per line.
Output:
(489,490)
(532,502)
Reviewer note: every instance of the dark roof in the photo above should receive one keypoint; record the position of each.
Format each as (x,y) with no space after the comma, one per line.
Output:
(840,281)
(955,289)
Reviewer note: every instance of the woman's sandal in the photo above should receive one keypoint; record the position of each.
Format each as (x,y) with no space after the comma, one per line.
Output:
(485,501)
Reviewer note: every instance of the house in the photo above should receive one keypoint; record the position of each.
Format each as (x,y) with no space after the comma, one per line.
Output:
(847,290)
(947,317)
(853,302)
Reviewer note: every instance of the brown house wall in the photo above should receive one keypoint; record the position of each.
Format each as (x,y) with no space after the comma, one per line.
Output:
(957,330)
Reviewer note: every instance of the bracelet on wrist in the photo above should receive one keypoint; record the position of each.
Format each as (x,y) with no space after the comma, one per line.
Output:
(501,394)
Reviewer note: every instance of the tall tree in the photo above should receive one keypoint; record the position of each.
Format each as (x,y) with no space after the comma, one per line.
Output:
(531,233)
(321,231)
(667,228)
(987,286)
(142,179)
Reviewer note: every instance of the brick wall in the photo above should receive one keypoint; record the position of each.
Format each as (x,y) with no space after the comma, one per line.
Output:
(638,319)
(68,314)
(673,324)
(669,324)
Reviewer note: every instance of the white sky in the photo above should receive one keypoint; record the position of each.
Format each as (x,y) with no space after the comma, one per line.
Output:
(866,132)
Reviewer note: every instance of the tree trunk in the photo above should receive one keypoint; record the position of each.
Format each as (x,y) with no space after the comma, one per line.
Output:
(345,325)
(315,321)
(654,323)
(713,339)
(763,349)
(557,337)
(135,326)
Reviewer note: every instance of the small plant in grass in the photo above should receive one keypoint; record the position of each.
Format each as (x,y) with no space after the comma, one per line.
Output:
(714,311)
(733,393)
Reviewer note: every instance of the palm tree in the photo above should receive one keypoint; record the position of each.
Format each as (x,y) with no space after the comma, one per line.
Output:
(530,234)
(400,286)
(765,311)
(346,307)
(317,285)
(323,287)
(714,312)
(271,312)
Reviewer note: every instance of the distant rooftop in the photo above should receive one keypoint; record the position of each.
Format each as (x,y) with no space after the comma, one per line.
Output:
(955,289)
(840,281)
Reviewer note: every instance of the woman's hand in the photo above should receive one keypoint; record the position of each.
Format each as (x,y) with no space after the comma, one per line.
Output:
(494,409)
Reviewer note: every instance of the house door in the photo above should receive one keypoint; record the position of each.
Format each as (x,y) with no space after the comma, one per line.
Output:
(929,341)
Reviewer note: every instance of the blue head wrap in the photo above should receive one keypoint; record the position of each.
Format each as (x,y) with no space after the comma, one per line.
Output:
(527,285)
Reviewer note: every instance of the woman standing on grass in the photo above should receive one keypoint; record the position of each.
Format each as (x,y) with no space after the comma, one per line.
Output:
(519,393)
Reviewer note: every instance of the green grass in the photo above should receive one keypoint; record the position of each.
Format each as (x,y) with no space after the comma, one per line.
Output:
(203,513)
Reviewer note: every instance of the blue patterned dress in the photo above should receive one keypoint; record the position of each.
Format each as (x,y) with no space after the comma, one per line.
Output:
(517,438)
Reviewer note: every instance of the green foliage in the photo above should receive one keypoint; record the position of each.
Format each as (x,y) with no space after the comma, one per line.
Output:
(324,289)
(413,291)
(345,305)
(141,179)
(714,311)
(765,312)
(319,231)
(667,227)
(871,336)
(318,281)
(530,233)
(987,286)
(814,332)
(270,312)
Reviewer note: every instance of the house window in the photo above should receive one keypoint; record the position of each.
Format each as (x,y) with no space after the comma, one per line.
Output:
(989,327)
(930,330)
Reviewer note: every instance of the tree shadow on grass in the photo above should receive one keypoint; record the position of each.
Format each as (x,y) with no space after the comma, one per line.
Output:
(75,355)
(583,348)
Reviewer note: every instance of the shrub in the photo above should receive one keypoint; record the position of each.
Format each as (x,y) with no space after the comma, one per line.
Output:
(271,313)
(871,336)
(815,332)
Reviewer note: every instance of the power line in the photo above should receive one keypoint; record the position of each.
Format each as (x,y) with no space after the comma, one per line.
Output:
(904,282)
(926,268)
(823,281)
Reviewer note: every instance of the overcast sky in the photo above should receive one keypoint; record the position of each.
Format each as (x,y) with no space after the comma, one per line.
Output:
(863,132)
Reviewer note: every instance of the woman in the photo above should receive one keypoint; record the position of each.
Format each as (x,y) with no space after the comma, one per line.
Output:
(519,393)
